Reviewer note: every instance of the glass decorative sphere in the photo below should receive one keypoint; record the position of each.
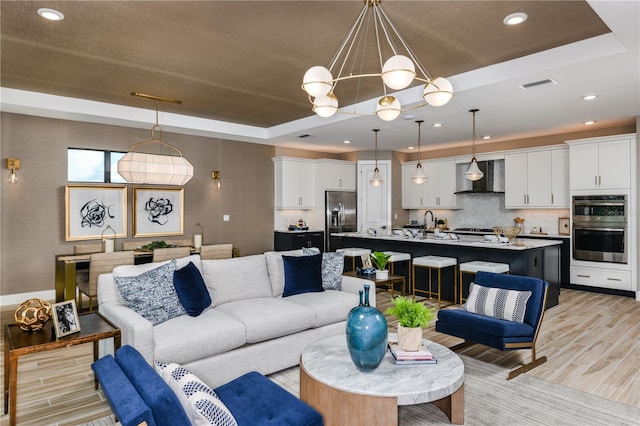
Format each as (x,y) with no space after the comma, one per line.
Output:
(32,314)
(317,81)
(388,108)
(325,106)
(438,92)
(398,72)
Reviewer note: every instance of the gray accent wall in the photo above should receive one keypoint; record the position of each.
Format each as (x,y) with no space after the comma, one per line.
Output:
(32,217)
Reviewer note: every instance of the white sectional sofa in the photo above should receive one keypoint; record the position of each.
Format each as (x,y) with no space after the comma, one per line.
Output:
(249,325)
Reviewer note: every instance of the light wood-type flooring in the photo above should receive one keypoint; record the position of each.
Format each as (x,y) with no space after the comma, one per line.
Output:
(592,342)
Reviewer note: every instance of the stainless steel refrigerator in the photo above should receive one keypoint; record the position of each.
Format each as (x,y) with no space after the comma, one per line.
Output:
(340,216)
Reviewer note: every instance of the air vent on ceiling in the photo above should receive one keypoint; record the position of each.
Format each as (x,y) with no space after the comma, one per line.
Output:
(306,135)
(534,84)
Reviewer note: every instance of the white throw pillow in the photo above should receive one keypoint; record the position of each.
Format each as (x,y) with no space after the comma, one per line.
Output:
(200,402)
(497,302)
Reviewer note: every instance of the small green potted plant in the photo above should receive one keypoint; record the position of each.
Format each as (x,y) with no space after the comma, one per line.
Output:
(412,318)
(380,259)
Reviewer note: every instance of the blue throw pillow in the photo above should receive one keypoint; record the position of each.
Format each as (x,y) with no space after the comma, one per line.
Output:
(302,274)
(191,289)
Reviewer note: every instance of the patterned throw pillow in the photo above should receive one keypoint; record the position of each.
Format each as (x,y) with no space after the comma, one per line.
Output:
(497,302)
(332,267)
(200,402)
(152,294)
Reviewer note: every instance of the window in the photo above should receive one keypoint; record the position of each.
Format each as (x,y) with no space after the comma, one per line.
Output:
(93,165)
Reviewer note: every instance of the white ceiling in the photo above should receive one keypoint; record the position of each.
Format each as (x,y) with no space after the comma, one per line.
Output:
(608,65)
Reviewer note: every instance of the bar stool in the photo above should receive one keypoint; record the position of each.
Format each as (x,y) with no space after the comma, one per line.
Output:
(431,263)
(399,257)
(354,252)
(479,265)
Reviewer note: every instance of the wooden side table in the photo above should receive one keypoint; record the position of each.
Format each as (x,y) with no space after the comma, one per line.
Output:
(389,282)
(93,328)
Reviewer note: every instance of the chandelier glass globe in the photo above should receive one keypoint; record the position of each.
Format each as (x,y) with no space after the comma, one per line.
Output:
(325,106)
(317,81)
(438,92)
(388,108)
(398,72)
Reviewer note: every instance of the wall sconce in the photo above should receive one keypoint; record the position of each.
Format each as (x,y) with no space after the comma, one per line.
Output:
(13,164)
(216,176)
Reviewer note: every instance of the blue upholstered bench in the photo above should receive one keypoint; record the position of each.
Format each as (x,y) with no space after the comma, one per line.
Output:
(137,394)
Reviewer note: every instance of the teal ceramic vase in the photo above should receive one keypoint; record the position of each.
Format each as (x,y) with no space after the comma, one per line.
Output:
(366,335)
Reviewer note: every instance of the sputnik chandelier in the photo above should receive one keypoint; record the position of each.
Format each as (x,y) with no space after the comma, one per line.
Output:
(397,72)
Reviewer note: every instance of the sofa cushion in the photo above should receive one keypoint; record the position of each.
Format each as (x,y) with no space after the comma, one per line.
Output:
(237,278)
(302,274)
(164,404)
(499,303)
(132,270)
(329,307)
(268,318)
(270,404)
(199,401)
(152,294)
(186,339)
(191,289)
(275,269)
(124,399)
(332,268)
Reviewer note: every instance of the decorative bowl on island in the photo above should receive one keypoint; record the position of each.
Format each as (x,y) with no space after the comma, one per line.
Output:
(509,232)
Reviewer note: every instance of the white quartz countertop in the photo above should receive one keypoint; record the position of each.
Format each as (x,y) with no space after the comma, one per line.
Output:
(464,241)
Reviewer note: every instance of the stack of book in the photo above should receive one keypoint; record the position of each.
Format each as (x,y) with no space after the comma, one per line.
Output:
(421,356)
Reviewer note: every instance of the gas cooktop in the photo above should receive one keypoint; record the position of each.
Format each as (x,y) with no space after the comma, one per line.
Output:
(489,230)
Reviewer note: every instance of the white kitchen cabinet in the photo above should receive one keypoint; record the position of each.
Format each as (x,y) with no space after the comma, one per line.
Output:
(437,192)
(603,163)
(336,175)
(537,179)
(601,277)
(560,179)
(295,186)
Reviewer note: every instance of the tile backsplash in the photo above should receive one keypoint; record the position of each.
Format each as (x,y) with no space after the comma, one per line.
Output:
(487,210)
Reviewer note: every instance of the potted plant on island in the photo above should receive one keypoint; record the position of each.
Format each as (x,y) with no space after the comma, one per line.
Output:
(412,318)
(380,259)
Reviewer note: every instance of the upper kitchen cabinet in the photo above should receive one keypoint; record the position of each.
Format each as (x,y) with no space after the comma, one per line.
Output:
(295,183)
(335,175)
(437,192)
(600,163)
(537,179)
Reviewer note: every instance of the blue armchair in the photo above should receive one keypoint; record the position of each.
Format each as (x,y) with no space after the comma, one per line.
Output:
(491,330)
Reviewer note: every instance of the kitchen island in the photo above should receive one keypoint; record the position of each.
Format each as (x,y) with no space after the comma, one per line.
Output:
(538,258)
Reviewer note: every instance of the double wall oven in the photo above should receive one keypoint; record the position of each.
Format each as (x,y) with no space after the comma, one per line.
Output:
(599,228)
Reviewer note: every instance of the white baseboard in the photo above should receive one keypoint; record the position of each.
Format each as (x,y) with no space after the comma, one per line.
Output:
(16,299)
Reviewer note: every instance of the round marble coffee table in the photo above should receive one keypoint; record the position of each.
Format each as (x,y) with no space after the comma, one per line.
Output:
(331,383)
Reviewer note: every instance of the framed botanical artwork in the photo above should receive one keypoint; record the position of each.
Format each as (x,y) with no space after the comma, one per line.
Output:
(89,209)
(65,318)
(158,212)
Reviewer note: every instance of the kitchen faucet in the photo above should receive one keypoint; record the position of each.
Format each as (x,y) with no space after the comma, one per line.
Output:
(424,219)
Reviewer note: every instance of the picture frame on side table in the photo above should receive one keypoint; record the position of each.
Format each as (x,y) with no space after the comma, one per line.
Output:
(65,318)
(366,261)
(158,212)
(89,209)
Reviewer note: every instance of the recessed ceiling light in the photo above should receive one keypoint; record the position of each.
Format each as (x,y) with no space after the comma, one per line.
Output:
(411,147)
(589,97)
(50,14)
(485,137)
(347,141)
(515,18)
(408,117)
(589,123)
(437,124)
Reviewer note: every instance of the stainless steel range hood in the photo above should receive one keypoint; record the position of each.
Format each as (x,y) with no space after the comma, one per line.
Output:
(491,183)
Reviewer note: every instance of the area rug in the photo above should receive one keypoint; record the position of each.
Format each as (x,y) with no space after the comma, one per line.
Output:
(492,400)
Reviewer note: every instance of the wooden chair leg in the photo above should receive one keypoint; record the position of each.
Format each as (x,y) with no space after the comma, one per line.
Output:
(462,345)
